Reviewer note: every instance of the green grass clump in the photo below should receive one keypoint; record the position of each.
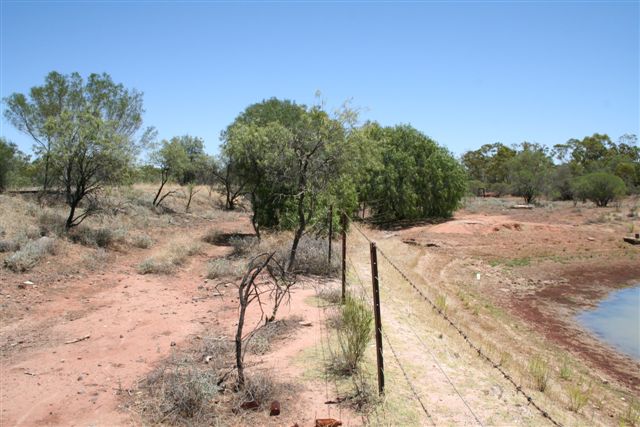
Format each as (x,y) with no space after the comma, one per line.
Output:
(565,370)
(578,397)
(354,335)
(539,370)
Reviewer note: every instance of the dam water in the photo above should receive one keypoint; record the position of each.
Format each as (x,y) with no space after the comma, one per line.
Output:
(616,320)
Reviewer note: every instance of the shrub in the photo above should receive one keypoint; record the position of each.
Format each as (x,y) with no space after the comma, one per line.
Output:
(259,387)
(30,254)
(354,334)
(214,237)
(311,257)
(578,397)
(51,224)
(221,267)
(565,370)
(100,237)
(441,303)
(96,260)
(242,244)
(9,246)
(181,393)
(262,339)
(332,295)
(599,187)
(631,416)
(142,241)
(539,371)
(194,249)
(167,263)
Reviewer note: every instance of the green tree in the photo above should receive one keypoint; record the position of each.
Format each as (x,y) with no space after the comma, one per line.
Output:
(599,187)
(90,134)
(488,164)
(413,178)
(12,162)
(224,172)
(38,113)
(529,171)
(172,160)
(292,158)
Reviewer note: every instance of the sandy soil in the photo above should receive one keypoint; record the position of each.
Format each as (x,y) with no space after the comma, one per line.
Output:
(125,324)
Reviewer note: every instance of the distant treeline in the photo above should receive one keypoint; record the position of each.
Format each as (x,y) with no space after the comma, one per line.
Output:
(594,168)
(290,161)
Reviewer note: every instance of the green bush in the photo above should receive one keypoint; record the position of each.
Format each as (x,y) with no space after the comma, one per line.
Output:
(354,334)
(599,187)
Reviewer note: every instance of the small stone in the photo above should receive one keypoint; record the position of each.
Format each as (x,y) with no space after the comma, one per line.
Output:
(27,282)
(303,323)
(173,343)
(275,409)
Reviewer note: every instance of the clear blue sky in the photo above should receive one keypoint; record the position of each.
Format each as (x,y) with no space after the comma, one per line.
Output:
(464,73)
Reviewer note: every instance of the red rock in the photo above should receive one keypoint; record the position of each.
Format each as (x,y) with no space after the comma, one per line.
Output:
(275,408)
(327,422)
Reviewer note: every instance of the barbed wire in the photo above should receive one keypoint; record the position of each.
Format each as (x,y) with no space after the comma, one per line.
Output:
(437,363)
(464,335)
(397,359)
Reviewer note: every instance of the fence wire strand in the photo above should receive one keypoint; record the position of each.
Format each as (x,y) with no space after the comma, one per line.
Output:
(464,335)
(395,356)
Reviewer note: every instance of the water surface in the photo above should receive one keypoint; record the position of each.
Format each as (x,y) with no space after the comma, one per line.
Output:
(616,320)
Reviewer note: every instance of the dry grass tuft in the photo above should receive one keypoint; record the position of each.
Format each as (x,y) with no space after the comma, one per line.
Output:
(169,262)
(142,241)
(262,340)
(224,268)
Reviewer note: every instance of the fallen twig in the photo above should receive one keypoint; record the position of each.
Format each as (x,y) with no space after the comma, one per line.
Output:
(86,337)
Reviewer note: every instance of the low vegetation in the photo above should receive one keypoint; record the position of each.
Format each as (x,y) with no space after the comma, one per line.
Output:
(170,261)
(30,254)
(578,396)
(354,335)
(539,371)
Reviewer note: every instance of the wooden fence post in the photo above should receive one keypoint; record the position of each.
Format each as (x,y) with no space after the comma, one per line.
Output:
(376,312)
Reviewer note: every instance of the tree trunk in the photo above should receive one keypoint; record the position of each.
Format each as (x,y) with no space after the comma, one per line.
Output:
(72,212)
(254,217)
(45,183)
(163,181)
(298,235)
(239,364)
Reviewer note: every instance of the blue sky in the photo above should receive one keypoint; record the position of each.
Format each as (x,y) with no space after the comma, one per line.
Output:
(465,73)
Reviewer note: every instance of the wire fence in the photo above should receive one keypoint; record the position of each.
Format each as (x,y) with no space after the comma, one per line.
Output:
(453,324)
